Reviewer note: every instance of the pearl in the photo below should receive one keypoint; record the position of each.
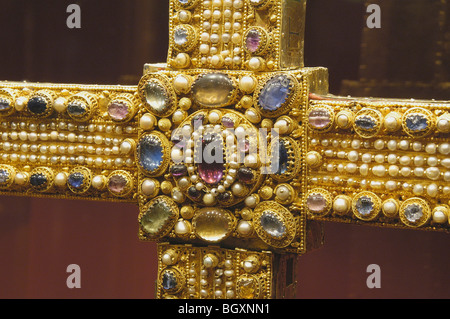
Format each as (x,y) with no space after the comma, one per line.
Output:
(182,227)
(238,189)
(444,148)
(418,189)
(244,228)
(283,193)
(60,105)
(209,199)
(379,170)
(431,148)
(247,84)
(21,178)
(60,179)
(99,182)
(432,190)
(282,126)
(390,208)
(353,156)
(440,215)
(433,173)
(148,187)
(341,205)
(255,63)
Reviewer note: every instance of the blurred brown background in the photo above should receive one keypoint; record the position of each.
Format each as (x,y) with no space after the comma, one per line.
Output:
(40,238)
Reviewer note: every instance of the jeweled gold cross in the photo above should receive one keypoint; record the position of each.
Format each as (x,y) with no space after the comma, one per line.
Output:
(285,154)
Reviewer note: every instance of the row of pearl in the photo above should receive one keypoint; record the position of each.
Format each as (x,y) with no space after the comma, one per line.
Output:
(81,160)
(120,148)
(432,189)
(392,159)
(432,173)
(392,145)
(60,137)
(232,31)
(33,127)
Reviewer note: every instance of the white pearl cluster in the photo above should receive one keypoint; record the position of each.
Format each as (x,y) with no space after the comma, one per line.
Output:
(64,143)
(221,33)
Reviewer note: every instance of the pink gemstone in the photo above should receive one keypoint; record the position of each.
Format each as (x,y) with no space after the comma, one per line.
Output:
(253,41)
(319,118)
(117,184)
(316,203)
(211,173)
(118,111)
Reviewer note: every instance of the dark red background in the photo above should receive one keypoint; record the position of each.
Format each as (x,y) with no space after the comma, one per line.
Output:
(39,238)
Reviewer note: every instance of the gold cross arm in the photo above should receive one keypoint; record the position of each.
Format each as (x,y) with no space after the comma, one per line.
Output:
(286,155)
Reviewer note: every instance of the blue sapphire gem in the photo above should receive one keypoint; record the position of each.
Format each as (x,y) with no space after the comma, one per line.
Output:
(76,180)
(366,123)
(364,205)
(416,122)
(37,105)
(38,180)
(169,280)
(275,93)
(150,153)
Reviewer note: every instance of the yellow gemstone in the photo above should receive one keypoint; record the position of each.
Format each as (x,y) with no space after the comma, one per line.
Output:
(212,224)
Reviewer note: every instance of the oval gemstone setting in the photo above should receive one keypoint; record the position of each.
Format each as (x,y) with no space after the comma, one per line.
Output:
(416,122)
(151,153)
(213,90)
(272,225)
(275,93)
(158,217)
(212,224)
(157,97)
(37,105)
(320,118)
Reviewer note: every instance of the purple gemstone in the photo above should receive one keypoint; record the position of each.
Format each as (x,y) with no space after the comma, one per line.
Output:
(316,203)
(319,118)
(211,173)
(118,111)
(245,175)
(117,184)
(253,41)
(179,170)
(227,122)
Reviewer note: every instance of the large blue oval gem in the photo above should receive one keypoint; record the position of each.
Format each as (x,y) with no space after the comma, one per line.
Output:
(275,93)
(366,123)
(76,180)
(150,153)
(169,280)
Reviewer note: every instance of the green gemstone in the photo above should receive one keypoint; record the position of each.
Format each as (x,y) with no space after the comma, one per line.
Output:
(156,217)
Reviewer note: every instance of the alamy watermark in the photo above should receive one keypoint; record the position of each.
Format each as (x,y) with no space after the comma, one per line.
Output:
(74,19)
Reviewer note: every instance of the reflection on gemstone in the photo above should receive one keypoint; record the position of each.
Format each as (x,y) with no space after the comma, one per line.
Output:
(4,176)
(365,205)
(275,93)
(212,90)
(247,288)
(181,36)
(178,170)
(38,180)
(283,158)
(319,118)
(212,224)
(156,217)
(169,280)
(253,40)
(118,111)
(4,105)
(366,123)
(413,213)
(76,180)
(211,168)
(417,122)
(157,97)
(316,203)
(117,184)
(150,153)
(37,105)
(76,109)
(272,224)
